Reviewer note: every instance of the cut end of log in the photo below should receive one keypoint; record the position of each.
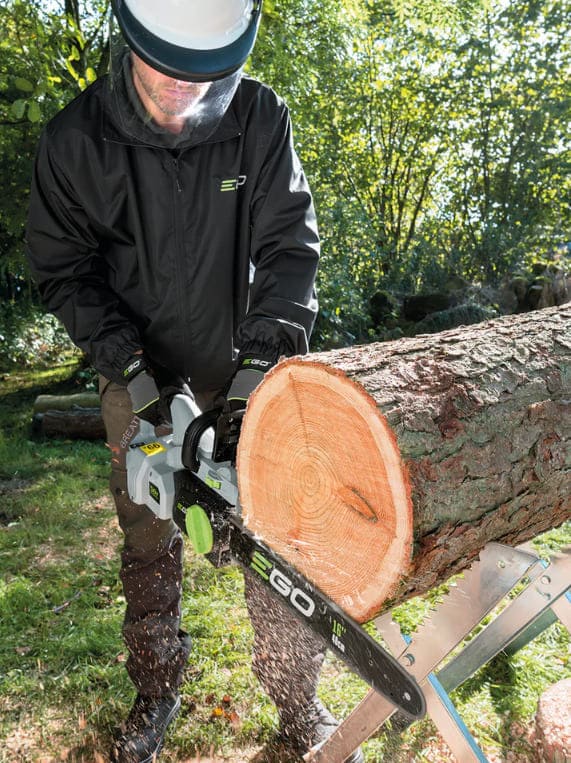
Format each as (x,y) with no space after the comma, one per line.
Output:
(322,482)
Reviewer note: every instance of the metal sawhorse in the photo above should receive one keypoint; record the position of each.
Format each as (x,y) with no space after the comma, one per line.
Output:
(545,598)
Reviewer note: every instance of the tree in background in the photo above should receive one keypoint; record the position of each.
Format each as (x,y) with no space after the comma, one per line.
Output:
(434,134)
(46,57)
(510,157)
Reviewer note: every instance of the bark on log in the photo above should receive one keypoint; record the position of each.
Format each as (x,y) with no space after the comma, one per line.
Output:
(381,470)
(45,403)
(76,424)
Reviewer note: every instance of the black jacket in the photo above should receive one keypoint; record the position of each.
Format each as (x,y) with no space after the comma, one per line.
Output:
(133,244)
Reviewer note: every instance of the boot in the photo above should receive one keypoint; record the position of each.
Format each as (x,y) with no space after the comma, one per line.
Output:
(142,734)
(310,726)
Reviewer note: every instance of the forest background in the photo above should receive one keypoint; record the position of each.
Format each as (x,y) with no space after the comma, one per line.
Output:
(435,137)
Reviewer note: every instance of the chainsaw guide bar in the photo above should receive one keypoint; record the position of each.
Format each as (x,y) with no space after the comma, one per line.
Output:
(350,642)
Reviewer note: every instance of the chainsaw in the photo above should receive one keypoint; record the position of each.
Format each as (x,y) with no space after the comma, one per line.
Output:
(189,475)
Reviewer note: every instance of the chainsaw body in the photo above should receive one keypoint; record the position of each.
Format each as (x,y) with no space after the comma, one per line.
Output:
(155,464)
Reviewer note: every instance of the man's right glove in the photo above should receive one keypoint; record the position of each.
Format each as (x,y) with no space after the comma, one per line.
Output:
(251,370)
(143,391)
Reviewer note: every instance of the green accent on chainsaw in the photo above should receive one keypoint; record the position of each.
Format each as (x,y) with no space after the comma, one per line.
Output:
(199,529)
(213,483)
(261,565)
(154,492)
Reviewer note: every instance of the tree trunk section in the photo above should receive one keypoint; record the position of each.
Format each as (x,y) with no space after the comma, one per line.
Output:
(379,471)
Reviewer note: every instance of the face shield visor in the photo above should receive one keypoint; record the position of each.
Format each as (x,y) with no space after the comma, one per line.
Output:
(183,58)
(190,40)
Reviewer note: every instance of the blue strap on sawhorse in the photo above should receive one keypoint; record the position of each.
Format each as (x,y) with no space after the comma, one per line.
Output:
(454,731)
(448,705)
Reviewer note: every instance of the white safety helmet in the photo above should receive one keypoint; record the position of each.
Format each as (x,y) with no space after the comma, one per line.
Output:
(195,40)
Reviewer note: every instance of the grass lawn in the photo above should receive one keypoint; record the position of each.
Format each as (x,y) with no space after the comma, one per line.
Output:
(62,682)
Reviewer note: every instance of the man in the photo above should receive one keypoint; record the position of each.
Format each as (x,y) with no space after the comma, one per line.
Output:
(172,230)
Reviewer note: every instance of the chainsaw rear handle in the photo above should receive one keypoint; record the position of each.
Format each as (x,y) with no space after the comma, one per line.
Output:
(192,436)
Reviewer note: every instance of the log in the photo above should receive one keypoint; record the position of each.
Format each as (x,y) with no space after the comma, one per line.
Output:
(77,424)
(379,471)
(45,403)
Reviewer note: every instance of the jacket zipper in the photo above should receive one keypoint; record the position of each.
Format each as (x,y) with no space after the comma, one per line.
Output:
(179,259)
(176,168)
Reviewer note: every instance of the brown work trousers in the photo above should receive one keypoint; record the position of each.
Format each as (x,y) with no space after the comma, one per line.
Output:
(287,656)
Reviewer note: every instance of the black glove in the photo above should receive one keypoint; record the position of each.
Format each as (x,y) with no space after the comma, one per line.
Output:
(250,372)
(143,391)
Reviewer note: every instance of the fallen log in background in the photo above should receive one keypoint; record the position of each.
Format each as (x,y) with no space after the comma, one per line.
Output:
(381,470)
(76,416)
(45,403)
(76,424)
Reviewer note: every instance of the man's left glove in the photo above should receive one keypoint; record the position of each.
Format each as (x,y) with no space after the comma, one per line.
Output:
(143,391)
(250,372)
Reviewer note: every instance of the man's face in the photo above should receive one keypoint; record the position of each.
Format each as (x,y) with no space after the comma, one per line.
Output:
(172,97)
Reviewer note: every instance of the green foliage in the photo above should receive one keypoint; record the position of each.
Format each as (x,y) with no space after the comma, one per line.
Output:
(511,156)
(47,56)
(30,337)
(434,134)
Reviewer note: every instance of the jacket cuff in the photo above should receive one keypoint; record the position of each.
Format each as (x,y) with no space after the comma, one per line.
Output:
(113,355)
